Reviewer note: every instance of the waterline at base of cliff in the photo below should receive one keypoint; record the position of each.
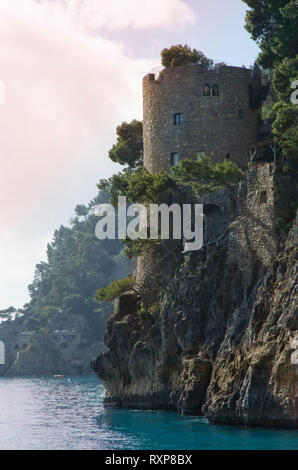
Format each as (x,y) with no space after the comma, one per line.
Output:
(68,413)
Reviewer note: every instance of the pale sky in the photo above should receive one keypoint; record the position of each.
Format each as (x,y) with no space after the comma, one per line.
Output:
(71,71)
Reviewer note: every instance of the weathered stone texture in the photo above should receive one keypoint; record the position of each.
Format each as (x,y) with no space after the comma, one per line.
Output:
(216,125)
(220,342)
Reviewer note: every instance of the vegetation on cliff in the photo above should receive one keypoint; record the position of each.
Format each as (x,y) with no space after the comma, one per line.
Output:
(139,186)
(129,146)
(63,291)
(78,263)
(273,24)
(63,324)
(205,176)
(115,289)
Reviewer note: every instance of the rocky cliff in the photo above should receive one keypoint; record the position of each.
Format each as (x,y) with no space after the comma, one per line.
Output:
(219,342)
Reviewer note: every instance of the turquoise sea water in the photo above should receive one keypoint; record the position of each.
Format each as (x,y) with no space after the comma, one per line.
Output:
(67,413)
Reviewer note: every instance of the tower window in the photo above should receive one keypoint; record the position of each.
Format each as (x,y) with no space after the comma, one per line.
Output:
(178,119)
(201,155)
(174,159)
(206,90)
(215,90)
(263,197)
(228,156)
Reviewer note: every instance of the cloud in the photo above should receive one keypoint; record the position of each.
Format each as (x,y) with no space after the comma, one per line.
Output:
(64,94)
(89,16)
(66,89)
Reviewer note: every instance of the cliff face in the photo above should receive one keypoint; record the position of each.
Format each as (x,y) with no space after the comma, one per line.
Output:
(219,344)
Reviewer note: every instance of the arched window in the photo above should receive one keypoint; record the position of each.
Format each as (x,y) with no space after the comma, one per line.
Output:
(263,197)
(215,90)
(206,90)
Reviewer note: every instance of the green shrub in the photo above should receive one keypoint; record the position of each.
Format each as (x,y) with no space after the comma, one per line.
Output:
(183,55)
(115,289)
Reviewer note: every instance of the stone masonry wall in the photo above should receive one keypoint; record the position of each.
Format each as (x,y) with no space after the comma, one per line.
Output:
(216,125)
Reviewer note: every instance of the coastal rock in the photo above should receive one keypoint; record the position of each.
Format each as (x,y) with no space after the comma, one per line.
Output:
(219,344)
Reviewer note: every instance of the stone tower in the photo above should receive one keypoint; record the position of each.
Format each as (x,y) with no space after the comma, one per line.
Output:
(193,110)
(190,111)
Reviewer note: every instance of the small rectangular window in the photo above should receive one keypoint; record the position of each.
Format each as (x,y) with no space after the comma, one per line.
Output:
(201,155)
(178,119)
(174,159)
